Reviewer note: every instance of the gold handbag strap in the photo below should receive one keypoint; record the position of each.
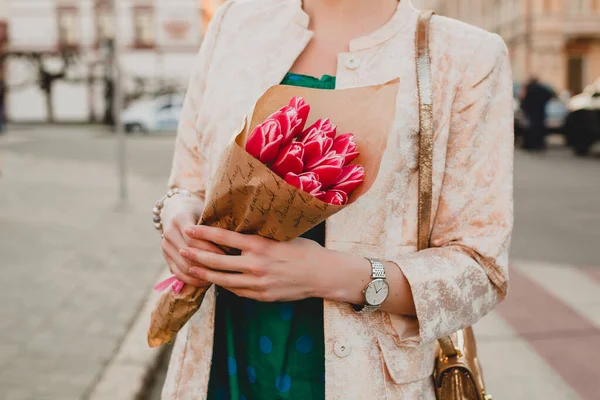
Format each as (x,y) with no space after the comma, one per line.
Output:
(423,60)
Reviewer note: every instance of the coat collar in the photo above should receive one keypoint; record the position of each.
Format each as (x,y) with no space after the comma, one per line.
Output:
(399,22)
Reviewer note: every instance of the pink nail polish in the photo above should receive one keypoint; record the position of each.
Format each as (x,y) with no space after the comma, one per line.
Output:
(184,253)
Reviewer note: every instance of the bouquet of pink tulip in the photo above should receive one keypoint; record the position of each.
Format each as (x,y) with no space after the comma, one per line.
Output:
(285,178)
(315,160)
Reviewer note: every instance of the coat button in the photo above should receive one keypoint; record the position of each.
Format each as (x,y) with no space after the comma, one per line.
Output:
(341,350)
(352,62)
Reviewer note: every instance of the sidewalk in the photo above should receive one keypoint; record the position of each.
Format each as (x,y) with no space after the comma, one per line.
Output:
(75,272)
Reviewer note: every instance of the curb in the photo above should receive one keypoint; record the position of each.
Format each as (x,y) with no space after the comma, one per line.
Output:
(129,373)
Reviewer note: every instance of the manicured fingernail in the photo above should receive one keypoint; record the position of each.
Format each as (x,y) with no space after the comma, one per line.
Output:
(193,271)
(185,253)
(190,231)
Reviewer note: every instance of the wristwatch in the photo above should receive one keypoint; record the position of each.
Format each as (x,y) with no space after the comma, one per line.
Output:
(377,291)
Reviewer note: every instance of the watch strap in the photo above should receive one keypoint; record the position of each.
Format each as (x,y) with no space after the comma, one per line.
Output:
(377,272)
(377,269)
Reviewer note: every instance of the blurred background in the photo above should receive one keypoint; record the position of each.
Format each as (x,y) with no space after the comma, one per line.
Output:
(90,96)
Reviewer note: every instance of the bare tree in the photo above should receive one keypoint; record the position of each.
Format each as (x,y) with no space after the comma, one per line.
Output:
(46,76)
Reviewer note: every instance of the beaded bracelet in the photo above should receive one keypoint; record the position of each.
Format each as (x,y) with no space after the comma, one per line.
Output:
(160,205)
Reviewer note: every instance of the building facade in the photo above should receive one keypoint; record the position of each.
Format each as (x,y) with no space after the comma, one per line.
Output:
(67,39)
(556,40)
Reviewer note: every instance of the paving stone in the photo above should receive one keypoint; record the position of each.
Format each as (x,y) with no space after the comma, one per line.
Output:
(76,270)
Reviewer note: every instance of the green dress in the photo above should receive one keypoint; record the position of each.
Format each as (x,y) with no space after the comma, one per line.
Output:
(269,351)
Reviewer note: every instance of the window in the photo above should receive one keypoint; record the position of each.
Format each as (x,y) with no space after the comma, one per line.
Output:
(68,26)
(575,72)
(144,25)
(105,21)
(547,6)
(576,6)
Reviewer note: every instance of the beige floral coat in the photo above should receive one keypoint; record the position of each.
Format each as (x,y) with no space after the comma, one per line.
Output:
(249,47)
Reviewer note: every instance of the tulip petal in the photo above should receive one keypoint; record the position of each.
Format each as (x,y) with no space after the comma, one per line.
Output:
(297,102)
(335,197)
(272,129)
(312,153)
(270,151)
(320,195)
(289,160)
(293,179)
(307,181)
(323,126)
(317,155)
(344,143)
(256,141)
(327,174)
(302,118)
(348,187)
(330,158)
(285,125)
(349,157)
(351,173)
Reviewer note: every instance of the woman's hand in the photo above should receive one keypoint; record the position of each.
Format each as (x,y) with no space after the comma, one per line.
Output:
(266,270)
(178,214)
(271,271)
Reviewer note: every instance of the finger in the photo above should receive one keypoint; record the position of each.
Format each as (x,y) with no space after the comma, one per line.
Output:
(179,240)
(216,261)
(180,267)
(224,279)
(174,236)
(201,245)
(179,262)
(224,237)
(190,280)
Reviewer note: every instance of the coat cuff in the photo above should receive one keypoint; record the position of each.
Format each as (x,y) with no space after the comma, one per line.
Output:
(451,290)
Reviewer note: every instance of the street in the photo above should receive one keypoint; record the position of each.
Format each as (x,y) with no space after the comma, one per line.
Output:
(76,269)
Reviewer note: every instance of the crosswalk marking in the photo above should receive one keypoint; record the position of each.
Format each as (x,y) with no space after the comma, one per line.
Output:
(569,284)
(543,342)
(513,370)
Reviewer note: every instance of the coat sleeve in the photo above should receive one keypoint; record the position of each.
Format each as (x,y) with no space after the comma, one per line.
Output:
(464,273)
(186,171)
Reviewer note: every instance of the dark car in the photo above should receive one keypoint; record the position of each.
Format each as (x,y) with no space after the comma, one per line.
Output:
(582,126)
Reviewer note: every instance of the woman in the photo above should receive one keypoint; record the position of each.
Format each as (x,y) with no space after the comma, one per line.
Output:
(287,312)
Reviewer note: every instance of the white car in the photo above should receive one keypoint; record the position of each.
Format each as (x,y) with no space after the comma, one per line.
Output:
(155,115)
(588,100)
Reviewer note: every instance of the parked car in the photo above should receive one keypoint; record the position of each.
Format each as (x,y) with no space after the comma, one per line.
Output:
(582,126)
(154,115)
(556,112)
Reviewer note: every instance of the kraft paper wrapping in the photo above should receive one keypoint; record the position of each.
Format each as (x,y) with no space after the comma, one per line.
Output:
(247,197)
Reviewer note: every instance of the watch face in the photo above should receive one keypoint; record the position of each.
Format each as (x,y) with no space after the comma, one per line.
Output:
(377,291)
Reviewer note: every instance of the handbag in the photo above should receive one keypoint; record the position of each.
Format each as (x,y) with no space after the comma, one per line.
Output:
(457,374)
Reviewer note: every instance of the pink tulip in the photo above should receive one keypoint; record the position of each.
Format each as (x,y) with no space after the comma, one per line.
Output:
(307,181)
(315,146)
(350,178)
(289,160)
(302,111)
(323,125)
(292,119)
(335,197)
(346,146)
(328,167)
(265,141)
